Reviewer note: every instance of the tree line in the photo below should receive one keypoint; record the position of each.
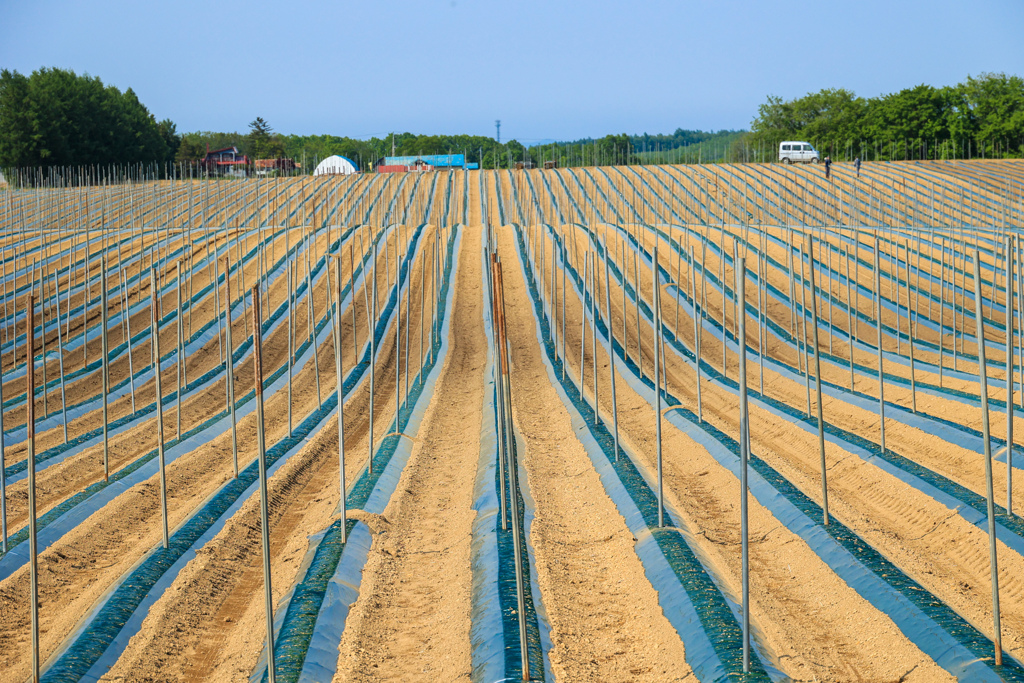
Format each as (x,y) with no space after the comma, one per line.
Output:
(980,117)
(56,118)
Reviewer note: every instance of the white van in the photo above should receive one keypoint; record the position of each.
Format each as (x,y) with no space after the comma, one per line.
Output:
(796,151)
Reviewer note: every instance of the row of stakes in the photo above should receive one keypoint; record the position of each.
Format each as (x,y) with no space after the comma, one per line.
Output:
(589,270)
(537,254)
(370,301)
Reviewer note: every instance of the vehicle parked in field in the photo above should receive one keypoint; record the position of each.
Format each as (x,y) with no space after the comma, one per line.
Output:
(796,151)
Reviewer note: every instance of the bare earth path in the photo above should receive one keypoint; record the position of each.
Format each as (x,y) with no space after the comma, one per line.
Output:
(606,623)
(411,621)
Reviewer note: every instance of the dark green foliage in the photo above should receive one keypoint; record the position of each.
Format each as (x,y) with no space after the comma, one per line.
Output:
(57,118)
(262,143)
(194,145)
(981,117)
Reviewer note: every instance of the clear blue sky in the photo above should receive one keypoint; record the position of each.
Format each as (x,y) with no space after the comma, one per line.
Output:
(547,69)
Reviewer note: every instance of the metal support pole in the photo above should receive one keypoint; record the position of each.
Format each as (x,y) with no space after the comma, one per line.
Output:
(657,380)
(340,389)
(229,365)
(30,427)
(373,356)
(881,375)
(3,473)
(594,311)
(180,369)
(106,368)
(262,455)
(502,427)
(63,390)
(565,253)
(983,381)
(761,278)
(697,318)
(155,323)
(125,316)
(1009,376)
(911,325)
(291,343)
(741,276)
(636,300)
(817,384)
(611,347)
(398,334)
(583,325)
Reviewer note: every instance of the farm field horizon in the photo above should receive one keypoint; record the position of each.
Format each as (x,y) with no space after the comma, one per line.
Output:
(613,423)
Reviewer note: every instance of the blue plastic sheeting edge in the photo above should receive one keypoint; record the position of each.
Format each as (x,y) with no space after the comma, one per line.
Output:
(712,639)
(316,658)
(98,494)
(494,625)
(917,475)
(968,504)
(540,627)
(972,645)
(301,619)
(106,626)
(487,636)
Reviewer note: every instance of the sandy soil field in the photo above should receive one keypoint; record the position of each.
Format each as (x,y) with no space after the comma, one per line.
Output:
(491,523)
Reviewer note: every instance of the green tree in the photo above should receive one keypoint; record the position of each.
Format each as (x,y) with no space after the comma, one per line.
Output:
(56,118)
(983,114)
(263,144)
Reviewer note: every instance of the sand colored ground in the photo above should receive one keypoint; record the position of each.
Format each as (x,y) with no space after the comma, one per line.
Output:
(411,621)
(797,591)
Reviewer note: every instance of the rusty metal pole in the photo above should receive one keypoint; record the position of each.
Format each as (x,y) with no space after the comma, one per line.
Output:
(257,334)
(503,442)
(30,428)
(983,382)
(513,477)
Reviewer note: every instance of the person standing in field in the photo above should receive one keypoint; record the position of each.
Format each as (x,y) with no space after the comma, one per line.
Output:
(856,166)
(828,167)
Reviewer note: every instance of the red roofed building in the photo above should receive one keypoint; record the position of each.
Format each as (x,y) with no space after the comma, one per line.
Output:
(264,166)
(225,161)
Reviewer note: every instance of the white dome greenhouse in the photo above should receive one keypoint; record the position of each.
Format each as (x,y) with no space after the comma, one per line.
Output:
(335,165)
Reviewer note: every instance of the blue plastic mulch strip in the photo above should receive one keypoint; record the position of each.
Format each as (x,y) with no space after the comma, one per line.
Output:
(201,337)
(486,631)
(709,628)
(99,493)
(1011,526)
(979,648)
(371,492)
(92,642)
(494,658)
